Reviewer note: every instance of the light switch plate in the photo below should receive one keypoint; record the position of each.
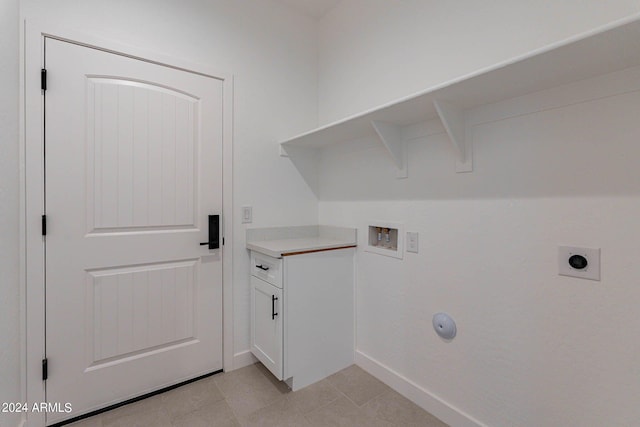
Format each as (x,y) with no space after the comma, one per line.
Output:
(412,242)
(592,255)
(247,214)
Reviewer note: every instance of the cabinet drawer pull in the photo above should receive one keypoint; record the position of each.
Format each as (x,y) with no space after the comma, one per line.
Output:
(261,267)
(273,306)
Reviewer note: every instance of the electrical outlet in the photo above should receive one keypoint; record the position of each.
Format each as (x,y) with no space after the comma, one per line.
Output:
(583,263)
(247,214)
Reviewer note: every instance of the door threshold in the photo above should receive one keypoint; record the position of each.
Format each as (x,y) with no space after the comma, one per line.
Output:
(132,400)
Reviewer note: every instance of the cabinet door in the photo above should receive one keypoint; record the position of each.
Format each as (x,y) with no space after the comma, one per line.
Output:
(266,325)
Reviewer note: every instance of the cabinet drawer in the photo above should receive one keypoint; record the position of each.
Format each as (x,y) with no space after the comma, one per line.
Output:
(267,268)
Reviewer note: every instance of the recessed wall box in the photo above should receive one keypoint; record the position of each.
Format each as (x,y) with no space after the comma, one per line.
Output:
(385,238)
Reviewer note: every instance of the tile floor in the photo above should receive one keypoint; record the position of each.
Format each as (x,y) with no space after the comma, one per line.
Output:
(251,396)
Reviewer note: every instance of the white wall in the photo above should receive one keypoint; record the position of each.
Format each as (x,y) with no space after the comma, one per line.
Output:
(374,51)
(9,208)
(274,92)
(533,348)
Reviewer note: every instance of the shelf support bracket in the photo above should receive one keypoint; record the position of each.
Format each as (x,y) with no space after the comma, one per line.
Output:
(454,123)
(305,160)
(282,151)
(391,137)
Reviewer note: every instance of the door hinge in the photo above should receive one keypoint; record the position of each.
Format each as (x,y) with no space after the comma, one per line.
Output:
(43,79)
(223,241)
(44,225)
(45,369)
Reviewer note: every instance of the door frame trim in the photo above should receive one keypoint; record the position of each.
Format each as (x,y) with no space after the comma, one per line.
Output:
(32,260)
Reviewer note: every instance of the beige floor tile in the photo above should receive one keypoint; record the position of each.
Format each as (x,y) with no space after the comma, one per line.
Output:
(157,418)
(357,384)
(249,389)
(314,396)
(343,413)
(191,397)
(252,397)
(250,376)
(397,409)
(218,414)
(151,404)
(245,403)
(279,414)
(273,380)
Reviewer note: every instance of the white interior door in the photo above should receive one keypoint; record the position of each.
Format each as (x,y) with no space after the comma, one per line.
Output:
(133,169)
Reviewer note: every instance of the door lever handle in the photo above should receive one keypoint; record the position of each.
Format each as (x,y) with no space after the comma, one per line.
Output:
(214,232)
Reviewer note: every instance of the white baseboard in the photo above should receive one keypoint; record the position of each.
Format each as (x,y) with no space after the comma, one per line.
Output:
(417,394)
(242,359)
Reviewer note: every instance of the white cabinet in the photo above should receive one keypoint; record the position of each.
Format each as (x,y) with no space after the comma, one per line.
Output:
(302,314)
(266,325)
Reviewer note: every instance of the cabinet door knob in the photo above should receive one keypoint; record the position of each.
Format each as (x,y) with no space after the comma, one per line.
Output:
(273,306)
(261,267)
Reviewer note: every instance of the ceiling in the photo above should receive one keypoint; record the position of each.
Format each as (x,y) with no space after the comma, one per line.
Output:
(314,8)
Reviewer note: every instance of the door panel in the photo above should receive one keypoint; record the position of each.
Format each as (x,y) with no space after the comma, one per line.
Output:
(136,310)
(142,168)
(133,169)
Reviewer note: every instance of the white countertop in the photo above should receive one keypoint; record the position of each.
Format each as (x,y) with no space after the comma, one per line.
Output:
(282,241)
(283,247)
